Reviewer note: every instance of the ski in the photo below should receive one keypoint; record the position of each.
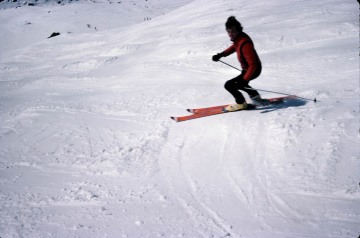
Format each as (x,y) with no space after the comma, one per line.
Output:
(215,110)
(200,110)
(272,101)
(197,115)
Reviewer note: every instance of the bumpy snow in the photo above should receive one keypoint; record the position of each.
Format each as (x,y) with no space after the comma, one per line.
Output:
(88,149)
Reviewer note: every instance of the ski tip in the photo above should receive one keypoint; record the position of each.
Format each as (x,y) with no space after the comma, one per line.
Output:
(174,118)
(189,110)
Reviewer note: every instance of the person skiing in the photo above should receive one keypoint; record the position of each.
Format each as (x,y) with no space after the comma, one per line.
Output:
(250,63)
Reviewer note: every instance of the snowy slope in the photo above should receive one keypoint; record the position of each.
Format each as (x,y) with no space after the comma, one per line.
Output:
(26,25)
(87,147)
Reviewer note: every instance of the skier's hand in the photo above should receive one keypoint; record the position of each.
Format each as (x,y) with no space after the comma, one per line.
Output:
(217,57)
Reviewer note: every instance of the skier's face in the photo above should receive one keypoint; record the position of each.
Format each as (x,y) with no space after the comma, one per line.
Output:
(232,32)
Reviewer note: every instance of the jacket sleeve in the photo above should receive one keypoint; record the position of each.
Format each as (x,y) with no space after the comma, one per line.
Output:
(229,51)
(251,59)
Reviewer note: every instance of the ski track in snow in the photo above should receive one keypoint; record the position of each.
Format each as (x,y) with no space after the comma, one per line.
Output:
(88,149)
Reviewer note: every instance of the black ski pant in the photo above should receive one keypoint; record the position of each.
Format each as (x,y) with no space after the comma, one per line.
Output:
(238,83)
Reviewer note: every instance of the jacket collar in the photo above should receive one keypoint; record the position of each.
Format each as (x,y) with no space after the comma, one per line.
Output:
(239,37)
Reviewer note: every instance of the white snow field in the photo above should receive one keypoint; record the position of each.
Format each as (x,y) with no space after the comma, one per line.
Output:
(88,149)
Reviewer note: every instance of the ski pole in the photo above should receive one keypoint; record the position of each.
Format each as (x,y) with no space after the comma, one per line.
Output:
(230,65)
(267,90)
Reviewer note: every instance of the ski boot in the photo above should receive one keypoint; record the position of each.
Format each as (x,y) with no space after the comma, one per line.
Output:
(258,101)
(235,107)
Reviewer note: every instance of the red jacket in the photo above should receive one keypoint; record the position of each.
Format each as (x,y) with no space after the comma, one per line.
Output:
(247,56)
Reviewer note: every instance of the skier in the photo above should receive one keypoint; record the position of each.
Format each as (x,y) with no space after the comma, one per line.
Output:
(250,63)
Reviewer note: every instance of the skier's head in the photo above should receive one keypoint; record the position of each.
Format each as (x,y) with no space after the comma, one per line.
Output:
(233,27)
(233,23)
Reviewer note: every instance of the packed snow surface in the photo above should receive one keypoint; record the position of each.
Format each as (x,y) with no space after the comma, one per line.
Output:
(88,149)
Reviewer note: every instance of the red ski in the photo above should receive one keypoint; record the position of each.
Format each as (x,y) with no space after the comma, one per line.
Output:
(205,112)
(200,110)
(209,111)
(198,115)
(271,101)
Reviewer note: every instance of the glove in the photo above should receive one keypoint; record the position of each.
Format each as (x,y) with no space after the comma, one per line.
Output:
(217,57)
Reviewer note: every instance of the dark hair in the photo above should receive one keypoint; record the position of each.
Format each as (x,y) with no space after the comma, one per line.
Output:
(232,22)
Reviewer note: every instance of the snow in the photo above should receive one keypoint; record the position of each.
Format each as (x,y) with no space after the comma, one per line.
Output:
(88,148)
